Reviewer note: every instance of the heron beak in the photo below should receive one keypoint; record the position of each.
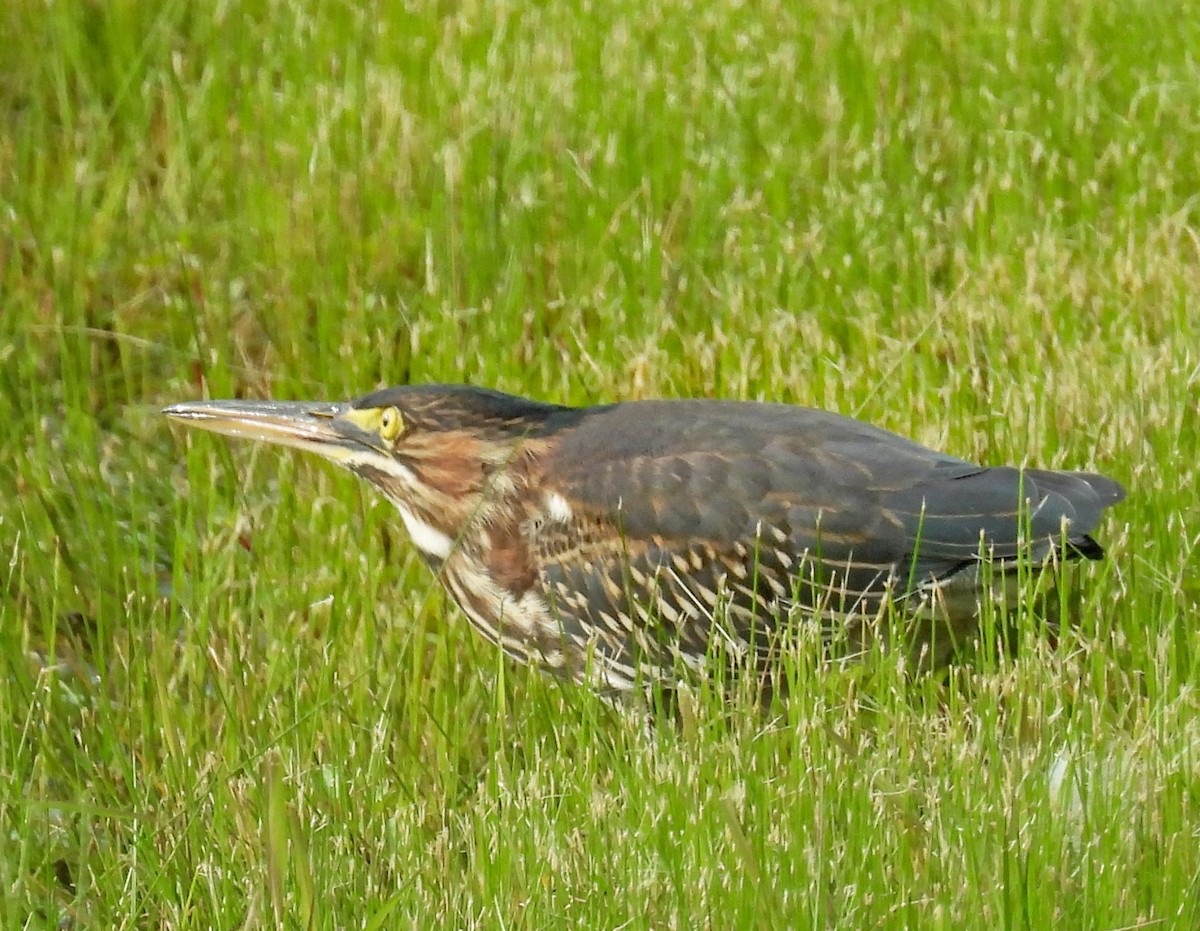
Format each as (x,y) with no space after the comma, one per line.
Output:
(315,427)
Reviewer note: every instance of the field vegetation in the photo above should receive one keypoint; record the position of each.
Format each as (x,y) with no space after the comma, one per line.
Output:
(231,695)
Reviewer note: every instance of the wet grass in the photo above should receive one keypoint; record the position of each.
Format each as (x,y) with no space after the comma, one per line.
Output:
(235,699)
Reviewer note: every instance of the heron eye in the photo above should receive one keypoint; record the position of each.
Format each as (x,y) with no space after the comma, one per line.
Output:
(390,424)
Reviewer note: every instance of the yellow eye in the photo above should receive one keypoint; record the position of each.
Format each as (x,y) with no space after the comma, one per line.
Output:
(390,424)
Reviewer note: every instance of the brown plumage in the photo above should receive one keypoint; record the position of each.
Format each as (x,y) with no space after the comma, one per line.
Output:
(616,543)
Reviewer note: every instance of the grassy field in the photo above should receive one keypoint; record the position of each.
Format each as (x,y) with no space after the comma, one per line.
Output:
(231,696)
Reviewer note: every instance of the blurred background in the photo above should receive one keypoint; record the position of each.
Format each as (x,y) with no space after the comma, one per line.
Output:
(236,698)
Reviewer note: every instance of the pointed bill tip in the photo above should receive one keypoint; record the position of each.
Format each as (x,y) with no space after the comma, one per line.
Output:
(181,411)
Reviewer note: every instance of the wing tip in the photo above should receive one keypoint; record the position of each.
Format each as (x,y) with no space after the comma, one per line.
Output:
(1084,547)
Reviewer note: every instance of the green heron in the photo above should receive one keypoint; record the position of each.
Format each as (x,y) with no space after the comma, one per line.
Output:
(613,543)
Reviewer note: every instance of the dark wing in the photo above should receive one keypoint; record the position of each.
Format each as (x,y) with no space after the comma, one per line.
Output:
(772,502)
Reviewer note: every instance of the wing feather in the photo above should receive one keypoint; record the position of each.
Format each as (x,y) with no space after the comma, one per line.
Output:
(774,489)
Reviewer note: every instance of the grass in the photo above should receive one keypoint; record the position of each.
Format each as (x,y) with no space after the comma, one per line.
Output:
(234,698)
